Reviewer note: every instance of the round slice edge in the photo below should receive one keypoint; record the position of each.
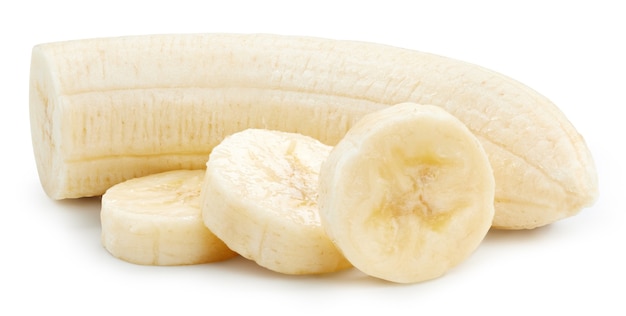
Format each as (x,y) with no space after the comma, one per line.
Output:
(156,220)
(407,194)
(260,197)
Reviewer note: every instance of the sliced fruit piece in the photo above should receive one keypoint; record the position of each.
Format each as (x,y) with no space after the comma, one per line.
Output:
(156,220)
(407,194)
(260,197)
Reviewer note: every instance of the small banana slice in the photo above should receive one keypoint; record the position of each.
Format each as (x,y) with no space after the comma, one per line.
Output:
(260,197)
(156,220)
(407,194)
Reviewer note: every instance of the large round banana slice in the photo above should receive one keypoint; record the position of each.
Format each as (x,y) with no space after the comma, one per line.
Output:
(260,197)
(156,220)
(407,194)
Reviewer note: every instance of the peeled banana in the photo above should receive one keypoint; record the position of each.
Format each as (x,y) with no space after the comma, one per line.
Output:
(259,196)
(106,110)
(157,220)
(407,194)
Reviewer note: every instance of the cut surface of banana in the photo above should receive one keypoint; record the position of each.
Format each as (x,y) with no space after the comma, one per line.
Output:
(407,194)
(156,220)
(260,197)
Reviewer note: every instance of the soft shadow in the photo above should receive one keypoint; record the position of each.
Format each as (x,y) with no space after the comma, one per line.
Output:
(503,236)
(240,267)
(83,212)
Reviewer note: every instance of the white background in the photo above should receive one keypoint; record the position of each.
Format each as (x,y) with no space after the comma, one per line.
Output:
(572,52)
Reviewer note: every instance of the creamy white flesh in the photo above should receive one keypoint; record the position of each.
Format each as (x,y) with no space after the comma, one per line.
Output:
(407,194)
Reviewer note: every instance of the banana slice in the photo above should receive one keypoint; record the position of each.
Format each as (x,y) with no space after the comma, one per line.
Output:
(156,220)
(407,194)
(260,197)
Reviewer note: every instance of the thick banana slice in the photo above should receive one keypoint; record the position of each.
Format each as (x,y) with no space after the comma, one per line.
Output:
(260,197)
(407,194)
(156,220)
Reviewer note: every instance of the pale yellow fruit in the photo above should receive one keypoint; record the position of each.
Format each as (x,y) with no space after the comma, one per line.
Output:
(407,194)
(260,197)
(106,110)
(156,220)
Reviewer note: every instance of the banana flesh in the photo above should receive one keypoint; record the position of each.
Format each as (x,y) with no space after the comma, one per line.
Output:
(407,194)
(156,220)
(260,197)
(109,109)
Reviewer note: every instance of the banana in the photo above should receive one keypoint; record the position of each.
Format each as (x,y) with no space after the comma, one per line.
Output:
(259,196)
(105,110)
(156,220)
(407,194)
